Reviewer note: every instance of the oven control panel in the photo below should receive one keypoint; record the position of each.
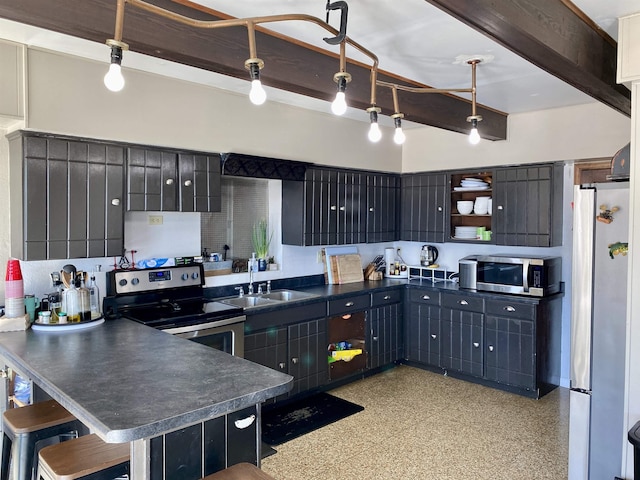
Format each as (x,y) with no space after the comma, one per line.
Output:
(152,279)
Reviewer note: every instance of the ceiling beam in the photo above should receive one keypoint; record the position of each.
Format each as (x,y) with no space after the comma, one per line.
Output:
(553,35)
(289,64)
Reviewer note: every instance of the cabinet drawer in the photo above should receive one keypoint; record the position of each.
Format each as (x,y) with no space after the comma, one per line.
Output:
(507,308)
(349,305)
(386,298)
(463,302)
(430,297)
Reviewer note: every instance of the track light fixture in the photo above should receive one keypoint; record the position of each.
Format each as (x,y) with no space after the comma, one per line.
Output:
(115,82)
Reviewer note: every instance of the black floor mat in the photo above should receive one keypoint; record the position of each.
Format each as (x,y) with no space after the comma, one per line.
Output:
(285,423)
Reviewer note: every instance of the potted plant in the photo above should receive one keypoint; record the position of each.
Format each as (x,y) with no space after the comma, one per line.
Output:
(261,240)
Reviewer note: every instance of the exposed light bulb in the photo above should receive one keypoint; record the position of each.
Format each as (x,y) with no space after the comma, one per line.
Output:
(399,137)
(339,105)
(114,80)
(374,132)
(474,136)
(257,95)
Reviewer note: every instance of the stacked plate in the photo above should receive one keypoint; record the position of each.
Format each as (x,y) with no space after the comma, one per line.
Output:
(465,233)
(472,184)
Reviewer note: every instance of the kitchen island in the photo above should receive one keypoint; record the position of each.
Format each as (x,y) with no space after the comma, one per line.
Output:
(131,383)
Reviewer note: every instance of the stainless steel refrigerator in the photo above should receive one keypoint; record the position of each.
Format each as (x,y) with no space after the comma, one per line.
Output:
(598,331)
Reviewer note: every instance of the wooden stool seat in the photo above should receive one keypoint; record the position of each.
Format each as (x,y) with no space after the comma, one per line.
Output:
(84,457)
(240,471)
(23,428)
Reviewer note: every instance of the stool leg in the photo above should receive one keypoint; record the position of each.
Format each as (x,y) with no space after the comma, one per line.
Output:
(6,457)
(23,457)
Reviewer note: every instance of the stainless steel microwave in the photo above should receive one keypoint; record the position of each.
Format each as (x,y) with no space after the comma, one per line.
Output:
(533,276)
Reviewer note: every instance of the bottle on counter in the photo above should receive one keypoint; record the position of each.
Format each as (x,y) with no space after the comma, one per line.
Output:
(85,301)
(71,304)
(94,297)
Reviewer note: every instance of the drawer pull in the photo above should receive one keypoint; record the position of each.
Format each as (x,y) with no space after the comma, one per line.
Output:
(342,209)
(439,209)
(333,207)
(349,304)
(188,183)
(500,207)
(509,308)
(387,297)
(476,344)
(434,336)
(281,365)
(426,297)
(375,339)
(491,348)
(294,360)
(169,181)
(115,202)
(371,209)
(245,422)
(463,302)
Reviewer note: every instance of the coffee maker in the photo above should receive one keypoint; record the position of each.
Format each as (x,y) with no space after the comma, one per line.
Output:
(428,255)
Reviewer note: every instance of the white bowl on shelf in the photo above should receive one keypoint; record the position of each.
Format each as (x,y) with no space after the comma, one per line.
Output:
(465,207)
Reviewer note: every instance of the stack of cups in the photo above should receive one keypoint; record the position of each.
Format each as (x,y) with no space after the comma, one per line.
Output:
(13,290)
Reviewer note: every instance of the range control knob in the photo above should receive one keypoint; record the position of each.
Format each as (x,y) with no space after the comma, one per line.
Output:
(135,281)
(123,282)
(185,276)
(195,275)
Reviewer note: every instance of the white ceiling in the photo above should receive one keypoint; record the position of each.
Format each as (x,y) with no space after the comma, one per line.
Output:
(414,40)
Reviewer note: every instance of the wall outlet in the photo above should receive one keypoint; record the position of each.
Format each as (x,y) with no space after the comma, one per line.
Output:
(155,219)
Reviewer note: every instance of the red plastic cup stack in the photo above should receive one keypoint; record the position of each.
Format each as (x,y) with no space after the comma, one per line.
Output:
(13,290)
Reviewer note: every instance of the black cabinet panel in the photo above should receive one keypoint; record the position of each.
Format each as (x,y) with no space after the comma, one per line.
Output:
(423,207)
(510,351)
(385,340)
(423,339)
(242,437)
(462,341)
(308,355)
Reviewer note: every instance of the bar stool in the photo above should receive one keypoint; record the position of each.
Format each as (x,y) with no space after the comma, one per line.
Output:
(25,426)
(87,457)
(240,471)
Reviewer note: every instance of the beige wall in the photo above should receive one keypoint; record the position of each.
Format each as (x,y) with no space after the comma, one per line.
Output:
(66,95)
(584,131)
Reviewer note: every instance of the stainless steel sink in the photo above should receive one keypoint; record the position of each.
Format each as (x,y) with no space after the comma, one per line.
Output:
(288,295)
(249,301)
(273,298)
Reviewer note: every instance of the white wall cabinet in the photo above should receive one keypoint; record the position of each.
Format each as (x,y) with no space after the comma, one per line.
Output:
(12,80)
(629,48)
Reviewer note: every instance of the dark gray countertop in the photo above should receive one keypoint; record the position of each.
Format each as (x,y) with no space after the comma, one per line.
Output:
(127,381)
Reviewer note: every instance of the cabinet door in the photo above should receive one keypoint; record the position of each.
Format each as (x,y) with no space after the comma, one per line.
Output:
(199,182)
(351,208)
(170,183)
(423,207)
(384,343)
(510,351)
(525,206)
(382,204)
(424,335)
(308,355)
(268,348)
(462,341)
(144,179)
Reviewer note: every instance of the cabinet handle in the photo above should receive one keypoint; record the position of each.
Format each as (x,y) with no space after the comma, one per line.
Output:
(342,209)
(500,207)
(439,209)
(294,360)
(476,344)
(434,336)
(375,339)
(333,207)
(115,202)
(349,304)
(463,302)
(281,365)
(371,209)
(387,297)
(491,348)
(169,181)
(245,422)
(426,297)
(188,183)
(509,308)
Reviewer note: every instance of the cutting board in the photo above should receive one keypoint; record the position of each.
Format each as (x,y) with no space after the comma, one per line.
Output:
(346,268)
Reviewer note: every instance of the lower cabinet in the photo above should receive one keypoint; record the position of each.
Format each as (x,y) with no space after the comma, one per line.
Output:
(280,340)
(385,333)
(206,447)
(510,341)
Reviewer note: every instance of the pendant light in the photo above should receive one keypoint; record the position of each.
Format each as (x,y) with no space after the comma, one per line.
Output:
(374,130)
(257,94)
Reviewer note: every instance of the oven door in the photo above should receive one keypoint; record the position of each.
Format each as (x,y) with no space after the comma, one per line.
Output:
(226,335)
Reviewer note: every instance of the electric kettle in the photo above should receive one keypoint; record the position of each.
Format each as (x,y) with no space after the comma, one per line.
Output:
(428,255)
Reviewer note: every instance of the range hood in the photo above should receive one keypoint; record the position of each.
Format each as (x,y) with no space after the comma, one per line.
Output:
(621,165)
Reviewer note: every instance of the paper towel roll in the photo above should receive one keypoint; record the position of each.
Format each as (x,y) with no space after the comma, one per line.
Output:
(389,258)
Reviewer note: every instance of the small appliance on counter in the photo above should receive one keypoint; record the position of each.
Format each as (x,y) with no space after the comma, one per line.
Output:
(536,276)
(428,255)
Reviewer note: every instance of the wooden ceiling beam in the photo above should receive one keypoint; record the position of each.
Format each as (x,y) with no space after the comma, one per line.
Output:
(553,35)
(289,65)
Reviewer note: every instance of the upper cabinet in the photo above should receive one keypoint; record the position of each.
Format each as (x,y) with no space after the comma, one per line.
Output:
(527,205)
(170,181)
(338,207)
(423,207)
(12,80)
(72,194)
(629,49)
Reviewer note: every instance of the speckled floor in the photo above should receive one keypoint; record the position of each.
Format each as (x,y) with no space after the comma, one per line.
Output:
(420,425)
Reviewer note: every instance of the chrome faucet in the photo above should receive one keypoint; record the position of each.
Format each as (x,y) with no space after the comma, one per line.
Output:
(250,291)
(240,291)
(268,286)
(260,292)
